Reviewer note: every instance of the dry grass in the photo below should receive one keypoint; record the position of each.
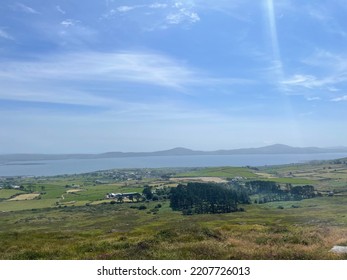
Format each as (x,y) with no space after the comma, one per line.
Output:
(200,179)
(74,190)
(28,196)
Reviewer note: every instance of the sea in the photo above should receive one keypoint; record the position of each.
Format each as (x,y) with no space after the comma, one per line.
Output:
(77,166)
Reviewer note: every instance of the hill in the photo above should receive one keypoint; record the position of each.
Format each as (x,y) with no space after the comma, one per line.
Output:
(179,151)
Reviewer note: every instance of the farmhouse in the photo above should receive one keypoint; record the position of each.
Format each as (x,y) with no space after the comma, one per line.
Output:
(129,196)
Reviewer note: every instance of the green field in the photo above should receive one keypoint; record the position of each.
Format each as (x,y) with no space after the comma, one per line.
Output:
(60,224)
(7,193)
(223,172)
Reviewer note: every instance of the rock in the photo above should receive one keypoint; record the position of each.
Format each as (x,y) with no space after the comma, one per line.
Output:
(339,249)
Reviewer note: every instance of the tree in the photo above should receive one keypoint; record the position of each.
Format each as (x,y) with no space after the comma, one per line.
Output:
(201,198)
(147,192)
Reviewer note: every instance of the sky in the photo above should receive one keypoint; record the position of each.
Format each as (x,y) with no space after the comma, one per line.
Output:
(113,75)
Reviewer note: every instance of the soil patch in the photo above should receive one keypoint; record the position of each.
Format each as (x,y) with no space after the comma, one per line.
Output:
(27,196)
(203,179)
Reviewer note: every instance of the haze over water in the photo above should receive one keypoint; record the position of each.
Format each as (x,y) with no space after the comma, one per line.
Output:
(75,166)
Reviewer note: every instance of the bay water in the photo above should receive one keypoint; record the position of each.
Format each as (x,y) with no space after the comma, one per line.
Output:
(77,166)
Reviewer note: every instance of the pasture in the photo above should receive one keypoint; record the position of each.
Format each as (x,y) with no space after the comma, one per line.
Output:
(65,222)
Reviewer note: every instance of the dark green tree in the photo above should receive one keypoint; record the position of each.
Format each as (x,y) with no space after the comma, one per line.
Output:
(147,192)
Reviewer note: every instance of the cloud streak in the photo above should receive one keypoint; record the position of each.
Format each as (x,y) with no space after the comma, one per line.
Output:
(339,99)
(165,14)
(182,15)
(69,22)
(5,35)
(51,79)
(330,72)
(60,10)
(25,8)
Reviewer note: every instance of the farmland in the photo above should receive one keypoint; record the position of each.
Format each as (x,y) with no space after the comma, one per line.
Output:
(69,217)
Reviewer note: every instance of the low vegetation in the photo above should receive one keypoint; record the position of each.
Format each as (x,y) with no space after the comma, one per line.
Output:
(248,216)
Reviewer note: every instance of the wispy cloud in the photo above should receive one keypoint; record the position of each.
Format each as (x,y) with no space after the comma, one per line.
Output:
(234,9)
(318,13)
(164,14)
(60,10)
(339,99)
(158,6)
(314,98)
(25,8)
(69,22)
(327,60)
(51,77)
(330,71)
(308,81)
(312,82)
(54,94)
(124,9)
(327,18)
(122,66)
(182,15)
(5,35)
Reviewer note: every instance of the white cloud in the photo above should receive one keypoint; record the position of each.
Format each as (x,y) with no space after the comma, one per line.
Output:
(314,98)
(65,78)
(158,6)
(69,22)
(162,15)
(307,81)
(332,69)
(178,5)
(5,35)
(25,9)
(54,94)
(182,15)
(60,10)
(124,9)
(327,60)
(339,99)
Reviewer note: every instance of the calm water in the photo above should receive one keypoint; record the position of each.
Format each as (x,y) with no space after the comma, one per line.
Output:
(75,166)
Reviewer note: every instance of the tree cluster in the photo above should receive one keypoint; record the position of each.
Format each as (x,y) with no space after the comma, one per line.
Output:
(271,191)
(204,198)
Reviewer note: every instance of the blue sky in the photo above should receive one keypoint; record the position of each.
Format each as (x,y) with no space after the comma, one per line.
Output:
(96,76)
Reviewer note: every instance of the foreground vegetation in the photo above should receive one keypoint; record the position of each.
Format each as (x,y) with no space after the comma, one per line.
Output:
(71,219)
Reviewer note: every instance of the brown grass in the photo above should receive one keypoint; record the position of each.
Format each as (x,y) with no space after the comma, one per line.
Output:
(28,196)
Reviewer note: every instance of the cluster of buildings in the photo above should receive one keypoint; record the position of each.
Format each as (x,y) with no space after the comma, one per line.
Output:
(122,196)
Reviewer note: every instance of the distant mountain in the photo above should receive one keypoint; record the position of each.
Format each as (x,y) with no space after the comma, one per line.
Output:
(284,149)
(179,151)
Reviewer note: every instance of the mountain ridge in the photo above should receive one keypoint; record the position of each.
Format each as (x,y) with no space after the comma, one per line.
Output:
(177,151)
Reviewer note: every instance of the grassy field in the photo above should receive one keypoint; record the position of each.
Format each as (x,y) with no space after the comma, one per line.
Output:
(8,193)
(63,223)
(119,232)
(223,172)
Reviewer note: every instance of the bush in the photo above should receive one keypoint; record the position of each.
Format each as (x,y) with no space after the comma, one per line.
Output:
(142,207)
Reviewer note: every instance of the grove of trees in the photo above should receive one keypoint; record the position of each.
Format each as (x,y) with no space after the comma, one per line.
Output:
(271,191)
(203,198)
